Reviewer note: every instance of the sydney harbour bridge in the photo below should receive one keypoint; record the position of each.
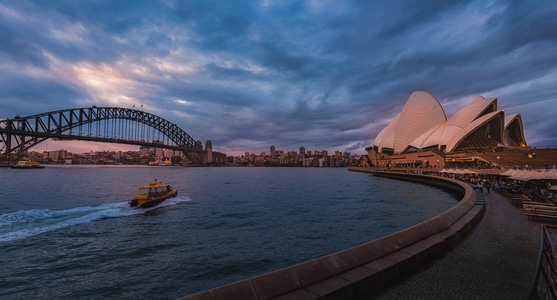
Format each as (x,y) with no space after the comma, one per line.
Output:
(98,124)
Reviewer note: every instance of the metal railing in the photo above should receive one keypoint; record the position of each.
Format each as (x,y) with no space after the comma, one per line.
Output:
(544,282)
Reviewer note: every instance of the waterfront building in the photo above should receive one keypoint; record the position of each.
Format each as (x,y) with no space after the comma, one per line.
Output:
(159,152)
(421,135)
(57,155)
(167,153)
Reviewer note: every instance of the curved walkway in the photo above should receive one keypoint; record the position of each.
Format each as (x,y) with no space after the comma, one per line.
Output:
(495,261)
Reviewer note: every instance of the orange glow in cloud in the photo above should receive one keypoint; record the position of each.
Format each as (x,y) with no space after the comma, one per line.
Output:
(107,84)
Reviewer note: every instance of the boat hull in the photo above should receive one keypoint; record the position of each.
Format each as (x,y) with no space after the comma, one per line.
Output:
(27,167)
(146,203)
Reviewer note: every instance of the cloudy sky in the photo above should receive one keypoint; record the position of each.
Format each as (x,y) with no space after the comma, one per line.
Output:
(327,75)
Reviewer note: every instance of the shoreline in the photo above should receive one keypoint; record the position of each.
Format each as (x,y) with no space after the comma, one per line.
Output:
(367,268)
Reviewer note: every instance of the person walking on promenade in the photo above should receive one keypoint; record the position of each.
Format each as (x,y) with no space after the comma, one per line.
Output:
(488,186)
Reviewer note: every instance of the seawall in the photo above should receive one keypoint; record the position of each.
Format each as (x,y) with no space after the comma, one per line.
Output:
(369,267)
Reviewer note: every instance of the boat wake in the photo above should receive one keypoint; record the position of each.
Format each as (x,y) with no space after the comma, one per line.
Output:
(25,223)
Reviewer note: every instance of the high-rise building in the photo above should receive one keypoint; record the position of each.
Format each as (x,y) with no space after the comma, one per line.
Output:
(209,151)
(302,150)
(272,150)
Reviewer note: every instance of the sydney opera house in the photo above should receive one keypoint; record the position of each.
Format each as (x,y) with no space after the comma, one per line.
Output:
(421,135)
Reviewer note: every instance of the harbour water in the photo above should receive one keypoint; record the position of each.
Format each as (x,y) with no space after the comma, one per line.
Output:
(68,231)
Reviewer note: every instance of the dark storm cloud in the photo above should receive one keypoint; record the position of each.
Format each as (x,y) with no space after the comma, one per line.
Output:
(247,75)
(46,95)
(16,45)
(216,26)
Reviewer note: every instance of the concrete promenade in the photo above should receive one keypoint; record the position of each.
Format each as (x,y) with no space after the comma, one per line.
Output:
(495,261)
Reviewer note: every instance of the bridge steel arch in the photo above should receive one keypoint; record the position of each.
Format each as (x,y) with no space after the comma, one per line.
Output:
(101,124)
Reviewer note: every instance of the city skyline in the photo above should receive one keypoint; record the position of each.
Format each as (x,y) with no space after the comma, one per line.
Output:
(110,147)
(328,75)
(159,156)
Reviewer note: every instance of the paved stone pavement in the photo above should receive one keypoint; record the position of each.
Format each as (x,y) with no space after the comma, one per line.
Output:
(495,261)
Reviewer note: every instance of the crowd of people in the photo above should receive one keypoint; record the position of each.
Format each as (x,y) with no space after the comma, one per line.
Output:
(538,190)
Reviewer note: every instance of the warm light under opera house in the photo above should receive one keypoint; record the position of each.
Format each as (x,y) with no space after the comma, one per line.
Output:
(423,126)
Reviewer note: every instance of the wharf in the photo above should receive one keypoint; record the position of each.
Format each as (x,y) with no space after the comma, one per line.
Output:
(496,260)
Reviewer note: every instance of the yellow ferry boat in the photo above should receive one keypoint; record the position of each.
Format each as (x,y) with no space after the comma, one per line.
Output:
(26,163)
(153,194)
